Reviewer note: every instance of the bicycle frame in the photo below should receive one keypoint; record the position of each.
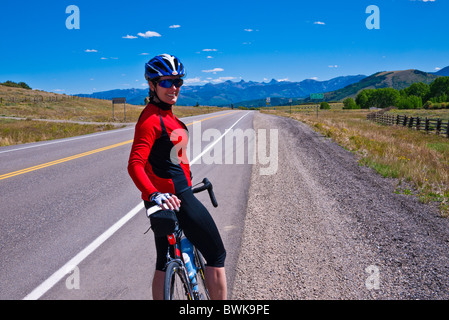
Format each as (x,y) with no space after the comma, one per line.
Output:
(174,253)
(174,241)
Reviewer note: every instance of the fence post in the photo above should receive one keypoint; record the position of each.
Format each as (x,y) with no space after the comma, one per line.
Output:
(447,129)
(427,125)
(438,126)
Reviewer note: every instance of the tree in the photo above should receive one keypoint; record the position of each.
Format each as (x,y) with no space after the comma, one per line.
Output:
(440,87)
(16,85)
(349,103)
(325,106)
(384,97)
(24,85)
(364,97)
(419,89)
(409,102)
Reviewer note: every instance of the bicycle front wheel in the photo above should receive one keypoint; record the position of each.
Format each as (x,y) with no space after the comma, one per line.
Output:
(176,286)
(201,276)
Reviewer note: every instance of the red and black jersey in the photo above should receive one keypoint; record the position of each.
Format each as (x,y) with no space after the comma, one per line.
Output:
(157,161)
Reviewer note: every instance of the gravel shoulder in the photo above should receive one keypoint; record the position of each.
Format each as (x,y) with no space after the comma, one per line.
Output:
(323,227)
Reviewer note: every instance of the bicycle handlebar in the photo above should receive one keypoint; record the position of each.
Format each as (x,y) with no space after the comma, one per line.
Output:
(207,185)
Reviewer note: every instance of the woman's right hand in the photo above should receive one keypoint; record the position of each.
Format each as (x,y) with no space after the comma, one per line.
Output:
(166,201)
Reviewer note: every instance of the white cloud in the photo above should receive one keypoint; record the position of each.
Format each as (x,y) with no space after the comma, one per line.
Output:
(144,54)
(248,30)
(148,34)
(129,37)
(208,50)
(222,79)
(196,80)
(103,58)
(314,78)
(214,70)
(333,66)
(209,57)
(281,80)
(437,68)
(90,50)
(175,26)
(319,22)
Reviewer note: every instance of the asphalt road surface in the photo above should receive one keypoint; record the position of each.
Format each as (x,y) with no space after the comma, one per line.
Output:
(72,221)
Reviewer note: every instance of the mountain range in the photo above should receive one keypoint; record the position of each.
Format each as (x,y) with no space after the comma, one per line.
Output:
(250,93)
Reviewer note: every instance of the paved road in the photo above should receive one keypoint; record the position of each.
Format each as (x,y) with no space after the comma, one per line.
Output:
(67,211)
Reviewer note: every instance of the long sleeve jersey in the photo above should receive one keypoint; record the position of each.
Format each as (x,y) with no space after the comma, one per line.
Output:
(158,161)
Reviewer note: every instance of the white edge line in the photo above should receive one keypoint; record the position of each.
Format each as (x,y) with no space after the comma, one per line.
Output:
(76,260)
(216,141)
(68,267)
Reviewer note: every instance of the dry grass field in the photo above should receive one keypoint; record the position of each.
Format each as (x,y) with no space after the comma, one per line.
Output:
(35,104)
(419,161)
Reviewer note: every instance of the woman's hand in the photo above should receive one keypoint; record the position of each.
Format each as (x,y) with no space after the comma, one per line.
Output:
(166,201)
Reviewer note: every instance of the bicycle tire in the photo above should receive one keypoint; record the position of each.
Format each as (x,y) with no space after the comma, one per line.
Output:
(201,275)
(176,284)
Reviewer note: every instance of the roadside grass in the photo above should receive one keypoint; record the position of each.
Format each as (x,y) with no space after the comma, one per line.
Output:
(24,131)
(419,161)
(35,104)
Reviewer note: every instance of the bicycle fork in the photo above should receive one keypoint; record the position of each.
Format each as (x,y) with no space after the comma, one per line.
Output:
(177,254)
(178,257)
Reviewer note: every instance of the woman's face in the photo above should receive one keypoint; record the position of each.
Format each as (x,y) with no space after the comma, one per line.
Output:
(167,95)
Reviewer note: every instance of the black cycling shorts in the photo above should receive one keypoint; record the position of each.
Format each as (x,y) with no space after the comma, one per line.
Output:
(199,227)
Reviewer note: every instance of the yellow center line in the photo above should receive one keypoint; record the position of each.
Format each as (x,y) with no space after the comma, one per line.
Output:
(80,155)
(48,164)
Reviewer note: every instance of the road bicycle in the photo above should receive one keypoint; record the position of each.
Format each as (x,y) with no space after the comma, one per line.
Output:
(178,285)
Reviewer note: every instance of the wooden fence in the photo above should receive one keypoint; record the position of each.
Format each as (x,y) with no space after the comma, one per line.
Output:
(439,126)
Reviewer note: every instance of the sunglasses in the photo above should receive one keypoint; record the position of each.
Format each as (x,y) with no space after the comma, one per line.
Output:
(167,83)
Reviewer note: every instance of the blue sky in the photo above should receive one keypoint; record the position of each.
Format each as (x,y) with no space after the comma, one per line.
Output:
(256,40)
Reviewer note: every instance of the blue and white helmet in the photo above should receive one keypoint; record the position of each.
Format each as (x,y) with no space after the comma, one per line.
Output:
(163,65)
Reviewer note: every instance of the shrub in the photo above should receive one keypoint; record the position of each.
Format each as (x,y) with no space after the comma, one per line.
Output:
(325,106)
(349,103)
(17,85)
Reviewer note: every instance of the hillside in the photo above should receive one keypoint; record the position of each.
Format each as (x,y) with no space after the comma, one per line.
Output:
(443,72)
(387,79)
(19,102)
(37,104)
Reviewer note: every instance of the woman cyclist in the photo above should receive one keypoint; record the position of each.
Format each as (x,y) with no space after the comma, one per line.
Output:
(161,172)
